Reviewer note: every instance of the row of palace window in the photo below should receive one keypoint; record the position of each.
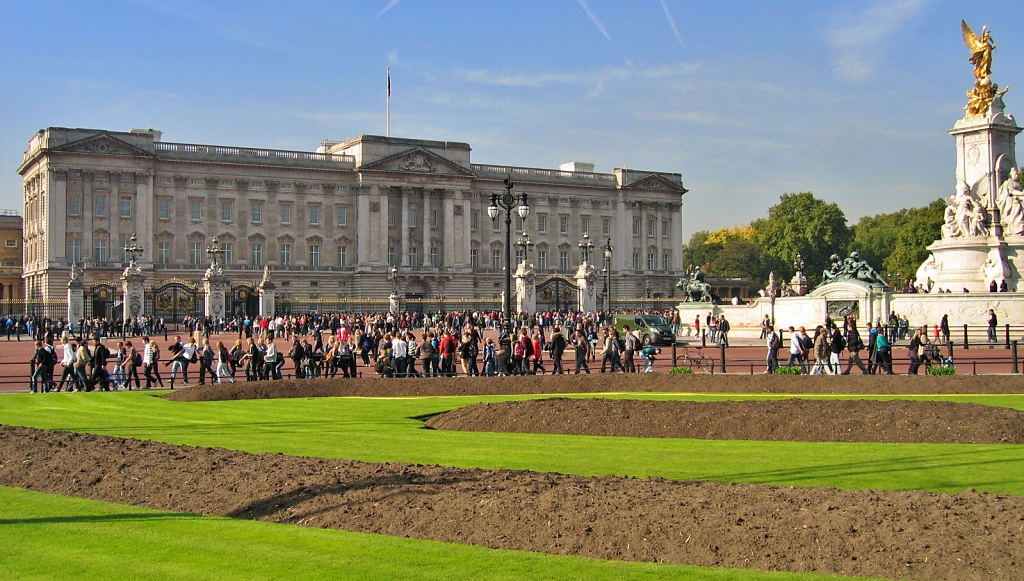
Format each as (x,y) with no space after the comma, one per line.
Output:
(196,251)
(227,214)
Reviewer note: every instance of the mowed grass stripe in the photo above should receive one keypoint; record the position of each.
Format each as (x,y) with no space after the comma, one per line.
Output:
(379,430)
(46,536)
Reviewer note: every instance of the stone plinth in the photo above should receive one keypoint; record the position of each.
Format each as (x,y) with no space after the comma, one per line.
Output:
(215,285)
(76,301)
(526,288)
(586,280)
(133,284)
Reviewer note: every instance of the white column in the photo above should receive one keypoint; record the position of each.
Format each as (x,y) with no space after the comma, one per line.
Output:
(467,218)
(425,210)
(362,224)
(381,247)
(403,220)
(448,229)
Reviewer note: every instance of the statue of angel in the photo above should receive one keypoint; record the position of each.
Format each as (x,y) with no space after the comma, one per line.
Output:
(981,50)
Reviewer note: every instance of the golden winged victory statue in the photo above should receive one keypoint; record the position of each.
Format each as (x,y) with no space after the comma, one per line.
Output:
(984,91)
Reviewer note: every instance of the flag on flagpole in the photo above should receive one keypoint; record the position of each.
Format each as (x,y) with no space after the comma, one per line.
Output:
(389,103)
(389,81)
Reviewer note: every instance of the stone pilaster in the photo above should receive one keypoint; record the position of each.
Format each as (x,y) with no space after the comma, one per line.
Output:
(214,284)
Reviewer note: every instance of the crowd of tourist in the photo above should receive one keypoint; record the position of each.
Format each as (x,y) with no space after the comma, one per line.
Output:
(410,344)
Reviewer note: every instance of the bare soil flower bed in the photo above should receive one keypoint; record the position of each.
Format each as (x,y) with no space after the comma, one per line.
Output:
(603,383)
(932,422)
(900,535)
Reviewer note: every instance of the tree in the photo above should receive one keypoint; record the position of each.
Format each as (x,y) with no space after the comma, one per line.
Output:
(740,258)
(921,227)
(875,236)
(801,223)
(699,251)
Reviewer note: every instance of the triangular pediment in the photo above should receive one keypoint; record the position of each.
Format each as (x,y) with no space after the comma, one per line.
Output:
(655,182)
(418,160)
(103,144)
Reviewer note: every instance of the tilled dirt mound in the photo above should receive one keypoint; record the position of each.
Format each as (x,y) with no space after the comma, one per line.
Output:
(913,535)
(930,422)
(605,382)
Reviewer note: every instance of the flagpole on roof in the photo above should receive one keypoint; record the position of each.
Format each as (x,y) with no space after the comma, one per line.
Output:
(389,102)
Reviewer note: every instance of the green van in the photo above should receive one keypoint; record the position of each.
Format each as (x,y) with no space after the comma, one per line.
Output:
(651,329)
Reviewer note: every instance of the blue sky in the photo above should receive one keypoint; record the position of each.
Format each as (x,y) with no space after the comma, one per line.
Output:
(748,100)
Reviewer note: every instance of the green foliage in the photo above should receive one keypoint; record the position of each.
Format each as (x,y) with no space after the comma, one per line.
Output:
(923,227)
(875,236)
(802,224)
(938,370)
(680,370)
(788,370)
(699,251)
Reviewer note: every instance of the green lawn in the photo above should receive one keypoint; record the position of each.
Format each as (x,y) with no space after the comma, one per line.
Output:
(48,536)
(385,429)
(45,536)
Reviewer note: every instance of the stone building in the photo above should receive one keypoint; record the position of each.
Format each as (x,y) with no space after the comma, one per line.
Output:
(330,223)
(10,255)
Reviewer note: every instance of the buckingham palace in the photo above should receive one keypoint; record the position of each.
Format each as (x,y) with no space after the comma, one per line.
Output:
(353,219)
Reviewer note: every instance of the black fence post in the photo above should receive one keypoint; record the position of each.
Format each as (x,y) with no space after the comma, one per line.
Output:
(966,344)
(721,350)
(704,338)
(1007,335)
(1013,357)
(674,355)
(949,349)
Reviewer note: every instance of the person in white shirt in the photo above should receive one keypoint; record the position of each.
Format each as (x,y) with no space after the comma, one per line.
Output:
(399,353)
(67,361)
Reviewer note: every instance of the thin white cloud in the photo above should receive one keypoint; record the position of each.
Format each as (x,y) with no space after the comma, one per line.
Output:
(859,41)
(389,6)
(209,17)
(393,57)
(593,17)
(598,77)
(672,23)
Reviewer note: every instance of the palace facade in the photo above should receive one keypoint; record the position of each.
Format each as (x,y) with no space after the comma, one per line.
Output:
(331,223)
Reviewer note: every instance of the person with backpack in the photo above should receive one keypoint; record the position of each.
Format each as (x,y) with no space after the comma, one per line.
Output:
(37,383)
(613,346)
(914,352)
(632,345)
(821,351)
(582,345)
(854,344)
(100,355)
(82,359)
(883,353)
(773,342)
(837,344)
(557,347)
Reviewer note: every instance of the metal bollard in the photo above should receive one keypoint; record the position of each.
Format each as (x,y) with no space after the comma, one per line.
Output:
(1013,357)
(721,349)
(704,338)
(1007,336)
(674,355)
(949,350)
(966,344)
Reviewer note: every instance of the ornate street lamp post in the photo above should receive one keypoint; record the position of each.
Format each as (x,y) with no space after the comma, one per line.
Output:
(214,251)
(586,246)
(525,243)
(508,202)
(608,275)
(133,252)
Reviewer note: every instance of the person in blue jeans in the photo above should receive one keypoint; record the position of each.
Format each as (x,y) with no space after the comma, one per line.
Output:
(992,322)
